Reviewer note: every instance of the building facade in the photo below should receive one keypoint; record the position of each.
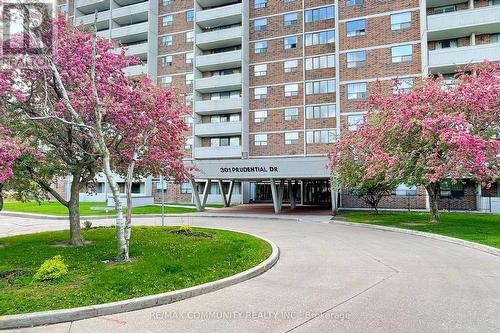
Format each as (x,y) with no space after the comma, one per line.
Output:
(273,83)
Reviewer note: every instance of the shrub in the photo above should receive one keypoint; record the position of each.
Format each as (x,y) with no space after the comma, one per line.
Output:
(51,269)
(87,224)
(186,228)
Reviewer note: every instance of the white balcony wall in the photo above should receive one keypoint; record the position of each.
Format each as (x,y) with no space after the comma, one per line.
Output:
(136,70)
(128,30)
(89,19)
(446,60)
(218,106)
(131,10)
(226,15)
(218,129)
(217,152)
(217,61)
(219,38)
(219,83)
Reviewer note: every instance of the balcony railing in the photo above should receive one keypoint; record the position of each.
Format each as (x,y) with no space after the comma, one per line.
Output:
(217,152)
(218,129)
(218,106)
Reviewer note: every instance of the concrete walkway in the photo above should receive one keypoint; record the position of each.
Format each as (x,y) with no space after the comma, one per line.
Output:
(330,278)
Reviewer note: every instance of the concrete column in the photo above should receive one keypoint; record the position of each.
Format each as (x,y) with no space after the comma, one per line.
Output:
(473,39)
(196,196)
(276,196)
(281,192)
(291,194)
(230,194)
(222,192)
(206,191)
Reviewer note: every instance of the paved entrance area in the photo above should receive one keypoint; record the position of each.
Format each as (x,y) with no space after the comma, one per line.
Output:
(269,209)
(330,278)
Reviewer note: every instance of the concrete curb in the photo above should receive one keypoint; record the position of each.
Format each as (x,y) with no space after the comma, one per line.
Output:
(66,315)
(83,218)
(476,246)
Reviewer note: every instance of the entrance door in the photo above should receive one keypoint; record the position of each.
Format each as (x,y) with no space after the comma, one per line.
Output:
(317,192)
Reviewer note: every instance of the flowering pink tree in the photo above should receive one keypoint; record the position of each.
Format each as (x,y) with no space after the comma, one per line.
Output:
(9,152)
(150,136)
(435,132)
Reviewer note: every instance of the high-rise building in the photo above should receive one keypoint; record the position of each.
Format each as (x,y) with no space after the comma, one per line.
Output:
(273,83)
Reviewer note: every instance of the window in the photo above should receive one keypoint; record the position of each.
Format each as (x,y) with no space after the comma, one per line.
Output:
(327,61)
(225,118)
(189,57)
(167,20)
(403,190)
(260,47)
(189,78)
(495,39)
(449,190)
(260,116)
(260,3)
(354,121)
(356,59)
(290,19)
(166,81)
(321,136)
(291,90)
(353,3)
(189,36)
(260,139)
(288,1)
(166,40)
(260,93)
(189,16)
(167,2)
(401,21)
(403,86)
(320,111)
(355,28)
(290,42)
(260,24)
(188,99)
(186,188)
(402,53)
(63,9)
(166,61)
(290,66)
(260,70)
(319,14)
(445,44)
(356,91)
(291,138)
(323,37)
(445,9)
(291,113)
(189,121)
(320,87)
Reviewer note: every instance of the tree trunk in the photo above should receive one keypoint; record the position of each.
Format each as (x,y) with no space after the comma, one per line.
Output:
(130,180)
(432,191)
(76,238)
(1,197)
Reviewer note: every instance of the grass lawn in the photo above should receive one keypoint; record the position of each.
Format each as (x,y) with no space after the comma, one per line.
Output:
(480,228)
(163,261)
(55,208)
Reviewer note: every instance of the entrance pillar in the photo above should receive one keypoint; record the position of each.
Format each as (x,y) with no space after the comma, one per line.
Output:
(206,191)
(291,194)
(196,195)
(277,196)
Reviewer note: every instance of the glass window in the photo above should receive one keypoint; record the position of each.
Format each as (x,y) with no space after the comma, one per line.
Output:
(167,20)
(189,57)
(445,44)
(327,61)
(260,3)
(355,28)
(291,90)
(188,120)
(323,37)
(356,59)
(290,66)
(63,9)
(356,90)
(186,188)
(260,47)
(188,99)
(190,15)
(260,139)
(290,42)
(290,19)
(291,138)
(234,141)
(167,2)
(401,21)
(260,116)
(260,24)
(444,9)
(260,70)
(495,39)
(166,61)
(189,36)
(319,14)
(353,3)
(354,121)
(166,81)
(189,78)
(403,86)
(188,143)
(166,40)
(403,190)
(320,87)
(320,111)
(260,93)
(402,53)
(320,136)
(291,113)
(447,189)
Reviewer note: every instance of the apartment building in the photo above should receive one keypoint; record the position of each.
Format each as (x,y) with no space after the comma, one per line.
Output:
(273,83)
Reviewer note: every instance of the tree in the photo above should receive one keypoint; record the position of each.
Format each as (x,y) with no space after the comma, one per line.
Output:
(151,136)
(436,132)
(348,162)
(9,152)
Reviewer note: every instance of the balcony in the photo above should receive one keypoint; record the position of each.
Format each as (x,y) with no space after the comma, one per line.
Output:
(90,6)
(136,70)
(217,61)
(218,129)
(217,152)
(446,60)
(89,19)
(226,15)
(219,83)
(219,38)
(136,49)
(463,23)
(218,106)
(131,33)
(133,13)
(212,3)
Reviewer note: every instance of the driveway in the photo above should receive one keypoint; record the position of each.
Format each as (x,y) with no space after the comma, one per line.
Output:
(330,278)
